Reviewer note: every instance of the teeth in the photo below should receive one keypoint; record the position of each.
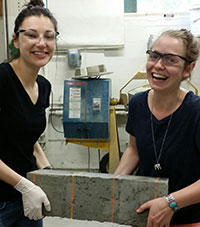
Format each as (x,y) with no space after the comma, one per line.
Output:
(39,53)
(159,76)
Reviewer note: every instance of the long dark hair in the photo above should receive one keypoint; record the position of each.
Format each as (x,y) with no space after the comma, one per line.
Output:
(34,8)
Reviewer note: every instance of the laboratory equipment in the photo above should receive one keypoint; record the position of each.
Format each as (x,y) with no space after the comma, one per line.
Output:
(86,108)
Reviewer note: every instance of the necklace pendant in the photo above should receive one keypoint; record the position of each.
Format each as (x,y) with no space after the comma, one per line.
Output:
(157,166)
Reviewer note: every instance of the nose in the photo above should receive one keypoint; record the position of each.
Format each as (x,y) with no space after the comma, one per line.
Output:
(159,63)
(41,40)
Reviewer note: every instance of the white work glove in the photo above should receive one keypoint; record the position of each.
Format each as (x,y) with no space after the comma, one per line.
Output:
(33,197)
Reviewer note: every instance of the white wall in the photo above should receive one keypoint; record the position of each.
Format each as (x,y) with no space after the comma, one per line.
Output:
(124,63)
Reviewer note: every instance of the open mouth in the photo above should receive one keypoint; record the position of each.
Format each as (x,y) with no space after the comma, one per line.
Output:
(39,53)
(159,76)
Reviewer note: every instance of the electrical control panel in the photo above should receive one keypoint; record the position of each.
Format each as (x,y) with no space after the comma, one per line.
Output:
(86,108)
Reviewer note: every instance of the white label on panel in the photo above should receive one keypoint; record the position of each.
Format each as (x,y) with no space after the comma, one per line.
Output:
(96,104)
(74,102)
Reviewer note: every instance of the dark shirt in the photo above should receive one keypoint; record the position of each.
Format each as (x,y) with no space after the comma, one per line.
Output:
(180,158)
(21,124)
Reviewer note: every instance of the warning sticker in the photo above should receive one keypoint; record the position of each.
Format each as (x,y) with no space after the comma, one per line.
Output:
(75,102)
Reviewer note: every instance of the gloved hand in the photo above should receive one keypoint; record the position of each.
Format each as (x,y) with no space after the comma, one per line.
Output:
(32,197)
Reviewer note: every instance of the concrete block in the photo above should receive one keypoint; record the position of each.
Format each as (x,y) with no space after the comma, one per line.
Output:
(98,197)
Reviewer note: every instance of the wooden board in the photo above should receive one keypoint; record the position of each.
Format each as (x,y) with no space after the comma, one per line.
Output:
(1,8)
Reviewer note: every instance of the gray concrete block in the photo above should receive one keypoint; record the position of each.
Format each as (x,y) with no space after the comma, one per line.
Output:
(98,197)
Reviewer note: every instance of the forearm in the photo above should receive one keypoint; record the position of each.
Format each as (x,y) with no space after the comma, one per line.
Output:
(41,159)
(33,197)
(128,163)
(8,175)
(129,160)
(188,196)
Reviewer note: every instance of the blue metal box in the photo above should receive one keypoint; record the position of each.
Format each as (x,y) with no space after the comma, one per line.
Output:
(86,108)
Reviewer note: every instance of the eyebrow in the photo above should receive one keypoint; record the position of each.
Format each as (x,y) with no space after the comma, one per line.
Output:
(34,30)
(164,54)
(155,51)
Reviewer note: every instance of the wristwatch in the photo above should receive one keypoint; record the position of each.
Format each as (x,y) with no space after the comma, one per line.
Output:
(172,202)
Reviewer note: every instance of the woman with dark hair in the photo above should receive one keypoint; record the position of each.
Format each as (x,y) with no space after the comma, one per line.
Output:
(24,96)
(164,127)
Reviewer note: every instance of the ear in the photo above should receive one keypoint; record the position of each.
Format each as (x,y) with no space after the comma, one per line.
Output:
(188,70)
(15,41)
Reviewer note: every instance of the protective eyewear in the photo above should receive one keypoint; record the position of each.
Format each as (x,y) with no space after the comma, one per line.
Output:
(33,35)
(168,59)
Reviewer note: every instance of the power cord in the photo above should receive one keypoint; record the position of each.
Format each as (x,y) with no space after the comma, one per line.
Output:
(51,115)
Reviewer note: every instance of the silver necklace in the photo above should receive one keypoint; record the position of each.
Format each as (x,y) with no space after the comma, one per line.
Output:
(157,166)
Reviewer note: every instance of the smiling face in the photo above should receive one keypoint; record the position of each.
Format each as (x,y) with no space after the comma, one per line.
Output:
(162,76)
(35,52)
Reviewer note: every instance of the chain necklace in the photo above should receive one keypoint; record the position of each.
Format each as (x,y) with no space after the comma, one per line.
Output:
(157,166)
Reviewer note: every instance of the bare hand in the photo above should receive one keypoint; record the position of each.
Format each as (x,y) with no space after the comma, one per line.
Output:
(160,214)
